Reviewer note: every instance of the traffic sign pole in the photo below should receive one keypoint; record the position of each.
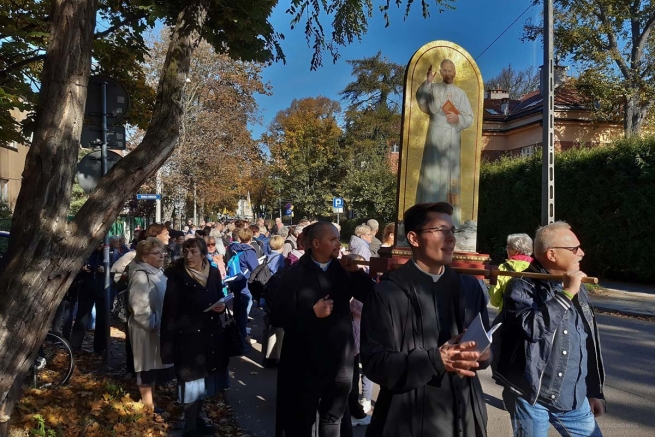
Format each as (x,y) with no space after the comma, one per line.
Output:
(105,263)
(158,201)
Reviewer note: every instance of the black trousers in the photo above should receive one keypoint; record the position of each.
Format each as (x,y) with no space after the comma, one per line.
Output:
(65,314)
(356,409)
(298,403)
(92,293)
(129,355)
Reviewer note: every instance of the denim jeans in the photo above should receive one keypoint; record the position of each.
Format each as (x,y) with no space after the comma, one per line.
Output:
(532,420)
(357,410)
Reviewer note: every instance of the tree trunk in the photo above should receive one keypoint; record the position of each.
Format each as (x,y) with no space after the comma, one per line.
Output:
(36,278)
(45,253)
(634,115)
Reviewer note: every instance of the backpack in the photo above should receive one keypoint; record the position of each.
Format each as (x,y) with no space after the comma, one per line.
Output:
(233,266)
(120,308)
(258,280)
(259,247)
(291,242)
(123,282)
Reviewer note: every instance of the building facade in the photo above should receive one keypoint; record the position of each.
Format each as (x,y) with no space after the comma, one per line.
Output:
(514,126)
(12,163)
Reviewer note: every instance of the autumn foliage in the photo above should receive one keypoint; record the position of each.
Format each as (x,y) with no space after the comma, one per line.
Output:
(99,402)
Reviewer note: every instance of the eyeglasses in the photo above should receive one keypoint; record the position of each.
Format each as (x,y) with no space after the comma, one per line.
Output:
(156,253)
(573,249)
(445,231)
(211,244)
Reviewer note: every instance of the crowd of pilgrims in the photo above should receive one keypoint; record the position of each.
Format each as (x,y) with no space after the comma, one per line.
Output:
(331,330)
(170,277)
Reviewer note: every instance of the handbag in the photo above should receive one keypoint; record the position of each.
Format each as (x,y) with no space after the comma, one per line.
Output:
(234,344)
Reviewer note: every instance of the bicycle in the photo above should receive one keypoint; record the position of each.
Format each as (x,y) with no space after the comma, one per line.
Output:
(55,364)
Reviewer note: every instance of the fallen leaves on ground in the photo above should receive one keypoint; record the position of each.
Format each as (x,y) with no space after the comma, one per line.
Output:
(98,401)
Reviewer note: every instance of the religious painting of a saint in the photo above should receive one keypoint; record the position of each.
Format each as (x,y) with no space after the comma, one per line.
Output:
(442,126)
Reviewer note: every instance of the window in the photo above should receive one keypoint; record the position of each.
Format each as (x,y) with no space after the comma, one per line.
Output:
(527,151)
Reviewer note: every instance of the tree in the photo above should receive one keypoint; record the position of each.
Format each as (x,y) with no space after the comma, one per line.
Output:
(372,127)
(611,39)
(215,152)
(517,82)
(119,44)
(378,84)
(306,158)
(25,37)
(45,251)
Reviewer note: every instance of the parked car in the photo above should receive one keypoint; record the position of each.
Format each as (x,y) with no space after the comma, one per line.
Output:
(4,242)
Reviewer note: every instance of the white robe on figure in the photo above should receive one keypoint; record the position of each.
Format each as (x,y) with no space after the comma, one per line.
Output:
(439,180)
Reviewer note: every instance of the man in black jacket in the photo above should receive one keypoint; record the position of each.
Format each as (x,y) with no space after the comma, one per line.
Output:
(550,361)
(312,304)
(410,338)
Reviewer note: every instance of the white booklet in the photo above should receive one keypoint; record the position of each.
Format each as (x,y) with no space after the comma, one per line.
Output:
(240,275)
(476,332)
(221,301)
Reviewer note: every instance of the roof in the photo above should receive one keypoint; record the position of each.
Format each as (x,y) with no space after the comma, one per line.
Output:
(566,97)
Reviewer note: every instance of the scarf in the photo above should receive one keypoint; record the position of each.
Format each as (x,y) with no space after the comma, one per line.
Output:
(200,276)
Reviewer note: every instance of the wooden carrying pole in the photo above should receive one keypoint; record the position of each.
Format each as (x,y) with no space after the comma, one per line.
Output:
(490,273)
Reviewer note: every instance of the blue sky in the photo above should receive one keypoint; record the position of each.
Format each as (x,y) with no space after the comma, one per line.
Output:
(473,24)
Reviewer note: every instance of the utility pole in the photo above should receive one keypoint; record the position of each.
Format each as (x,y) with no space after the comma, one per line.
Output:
(158,201)
(105,260)
(548,140)
(195,205)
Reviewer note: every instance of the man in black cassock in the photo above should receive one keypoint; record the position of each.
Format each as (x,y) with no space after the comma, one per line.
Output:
(411,327)
(312,304)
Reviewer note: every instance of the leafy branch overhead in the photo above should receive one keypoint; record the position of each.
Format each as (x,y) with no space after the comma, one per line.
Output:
(349,21)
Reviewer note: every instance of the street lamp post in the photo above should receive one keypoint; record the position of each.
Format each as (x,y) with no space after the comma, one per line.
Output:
(548,140)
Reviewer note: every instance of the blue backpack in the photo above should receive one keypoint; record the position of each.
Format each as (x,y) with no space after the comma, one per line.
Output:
(233,267)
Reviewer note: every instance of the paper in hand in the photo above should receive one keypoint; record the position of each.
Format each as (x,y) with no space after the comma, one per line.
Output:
(479,335)
(221,301)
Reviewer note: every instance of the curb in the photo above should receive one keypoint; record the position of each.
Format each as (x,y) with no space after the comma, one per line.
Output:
(622,312)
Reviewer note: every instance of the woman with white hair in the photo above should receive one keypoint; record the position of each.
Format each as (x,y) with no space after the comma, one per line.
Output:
(361,241)
(519,251)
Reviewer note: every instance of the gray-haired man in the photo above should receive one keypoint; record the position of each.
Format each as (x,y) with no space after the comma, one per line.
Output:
(375,243)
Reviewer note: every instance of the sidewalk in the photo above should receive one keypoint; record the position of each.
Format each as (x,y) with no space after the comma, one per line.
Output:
(252,395)
(627,299)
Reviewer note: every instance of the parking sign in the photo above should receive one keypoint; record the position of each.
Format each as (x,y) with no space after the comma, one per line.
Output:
(337,205)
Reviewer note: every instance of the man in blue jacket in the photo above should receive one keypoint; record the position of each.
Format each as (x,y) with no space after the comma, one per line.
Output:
(550,359)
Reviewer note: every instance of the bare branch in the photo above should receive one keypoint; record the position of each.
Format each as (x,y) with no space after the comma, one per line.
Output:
(119,25)
(21,64)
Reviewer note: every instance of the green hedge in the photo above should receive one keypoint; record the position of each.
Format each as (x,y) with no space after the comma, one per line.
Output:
(607,194)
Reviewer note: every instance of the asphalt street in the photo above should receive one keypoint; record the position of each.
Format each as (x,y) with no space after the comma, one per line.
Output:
(628,349)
